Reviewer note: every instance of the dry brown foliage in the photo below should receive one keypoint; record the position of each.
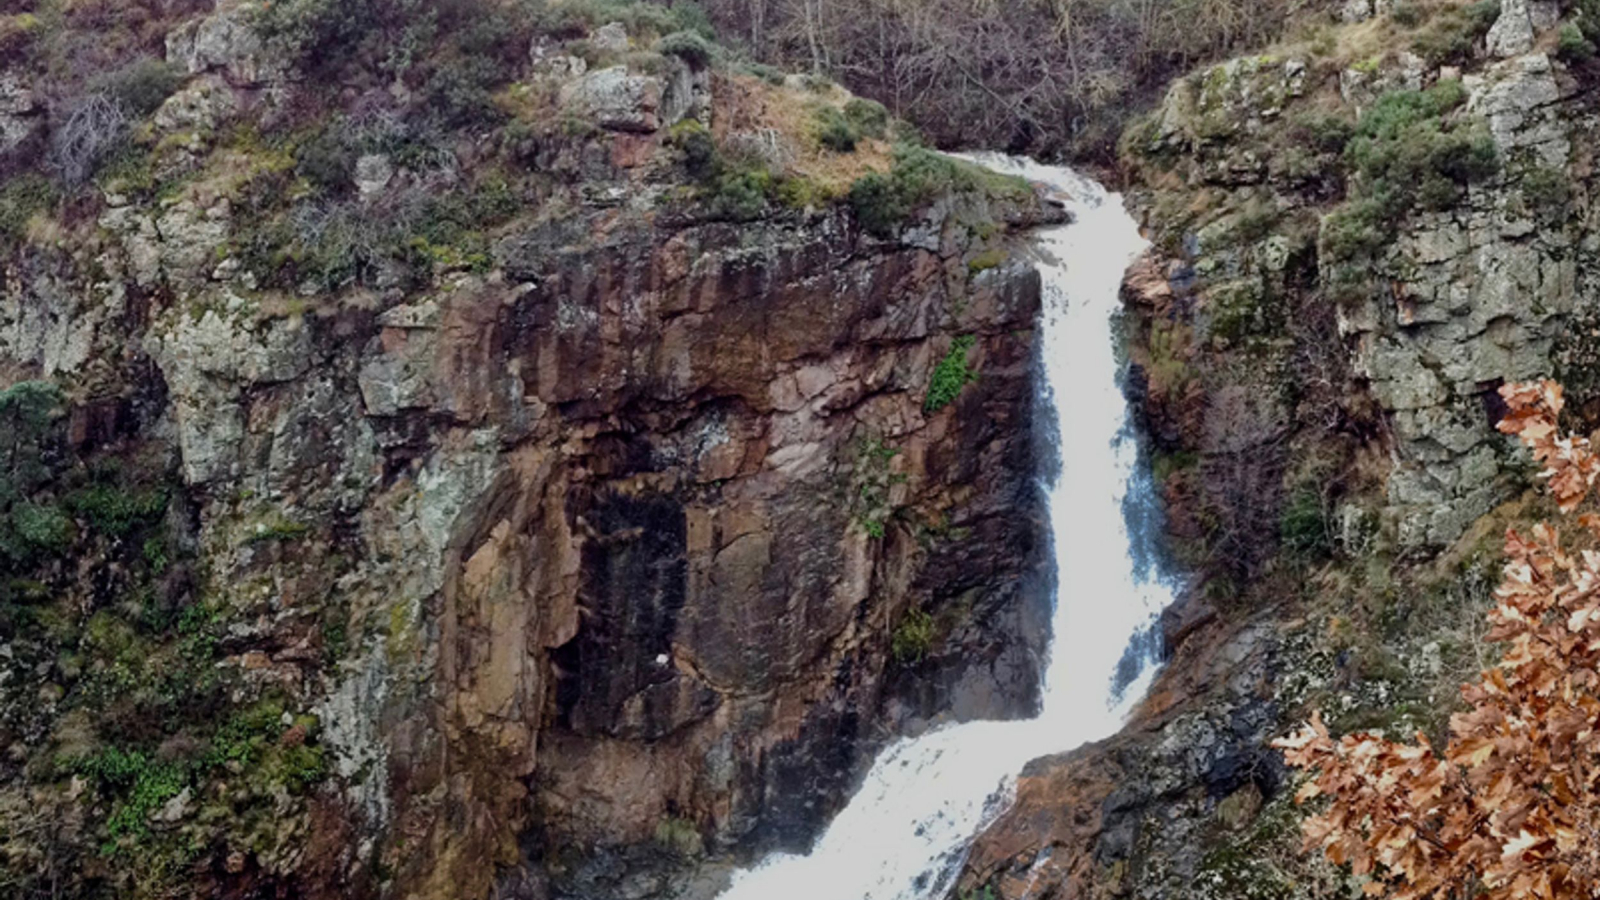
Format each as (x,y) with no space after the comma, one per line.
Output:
(1511,809)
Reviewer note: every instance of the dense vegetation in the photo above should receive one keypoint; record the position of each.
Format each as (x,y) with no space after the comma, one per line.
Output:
(1407,152)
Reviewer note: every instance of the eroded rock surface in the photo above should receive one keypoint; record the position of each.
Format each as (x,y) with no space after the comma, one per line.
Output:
(557,546)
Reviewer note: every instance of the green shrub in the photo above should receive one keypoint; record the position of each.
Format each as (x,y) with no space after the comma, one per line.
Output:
(154,552)
(1408,154)
(1407,14)
(454,48)
(117,511)
(741,194)
(913,637)
(460,92)
(879,203)
(868,117)
(140,783)
(638,16)
(43,526)
(1322,132)
(835,131)
(1547,192)
(1572,46)
(883,202)
(951,375)
(29,457)
(698,147)
(799,192)
(689,46)
(142,85)
(1303,527)
(327,160)
(1255,220)
(1353,229)
(1587,16)
(22,197)
(320,31)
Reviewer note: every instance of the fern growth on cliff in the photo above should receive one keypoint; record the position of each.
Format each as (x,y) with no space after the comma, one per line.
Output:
(951,375)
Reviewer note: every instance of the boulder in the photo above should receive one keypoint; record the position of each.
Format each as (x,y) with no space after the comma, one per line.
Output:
(617,100)
(610,38)
(225,42)
(19,112)
(202,106)
(1512,32)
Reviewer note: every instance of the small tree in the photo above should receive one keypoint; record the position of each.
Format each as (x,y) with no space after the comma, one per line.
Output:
(1511,809)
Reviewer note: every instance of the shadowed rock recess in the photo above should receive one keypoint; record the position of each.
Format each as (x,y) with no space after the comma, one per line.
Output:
(538,504)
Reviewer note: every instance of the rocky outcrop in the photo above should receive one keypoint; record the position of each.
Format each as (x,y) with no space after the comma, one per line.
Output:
(1376,428)
(1461,301)
(1476,297)
(607,516)
(564,553)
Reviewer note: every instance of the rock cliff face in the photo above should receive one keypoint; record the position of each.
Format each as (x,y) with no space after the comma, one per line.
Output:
(616,540)
(1317,365)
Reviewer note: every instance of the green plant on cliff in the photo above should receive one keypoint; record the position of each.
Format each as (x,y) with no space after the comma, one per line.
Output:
(1303,526)
(680,837)
(29,410)
(117,510)
(953,373)
(1572,45)
(869,117)
(884,201)
(836,132)
(690,46)
(913,637)
(142,85)
(1411,149)
(872,480)
(1546,194)
(21,198)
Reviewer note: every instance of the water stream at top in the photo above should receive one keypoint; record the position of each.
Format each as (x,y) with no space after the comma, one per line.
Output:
(905,833)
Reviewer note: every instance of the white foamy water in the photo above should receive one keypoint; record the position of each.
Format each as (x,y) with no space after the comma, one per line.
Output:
(905,833)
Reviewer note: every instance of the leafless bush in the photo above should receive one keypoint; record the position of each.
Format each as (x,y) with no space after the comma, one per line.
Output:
(762,145)
(90,127)
(1242,474)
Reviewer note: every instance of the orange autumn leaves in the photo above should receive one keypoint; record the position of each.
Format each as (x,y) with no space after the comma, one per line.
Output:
(1511,809)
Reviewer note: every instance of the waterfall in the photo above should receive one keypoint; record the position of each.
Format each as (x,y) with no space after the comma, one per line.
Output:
(905,833)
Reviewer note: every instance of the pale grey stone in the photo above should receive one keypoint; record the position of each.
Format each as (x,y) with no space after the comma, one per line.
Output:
(616,100)
(373,174)
(1512,31)
(204,105)
(19,111)
(610,38)
(225,41)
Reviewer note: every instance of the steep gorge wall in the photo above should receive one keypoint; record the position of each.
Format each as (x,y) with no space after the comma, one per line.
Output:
(619,543)
(1317,370)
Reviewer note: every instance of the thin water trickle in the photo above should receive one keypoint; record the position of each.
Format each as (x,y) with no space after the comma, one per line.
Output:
(905,833)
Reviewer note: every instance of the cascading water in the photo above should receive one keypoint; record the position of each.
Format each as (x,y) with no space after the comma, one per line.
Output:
(905,834)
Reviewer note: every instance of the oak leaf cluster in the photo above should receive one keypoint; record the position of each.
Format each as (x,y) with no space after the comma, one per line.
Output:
(1510,809)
